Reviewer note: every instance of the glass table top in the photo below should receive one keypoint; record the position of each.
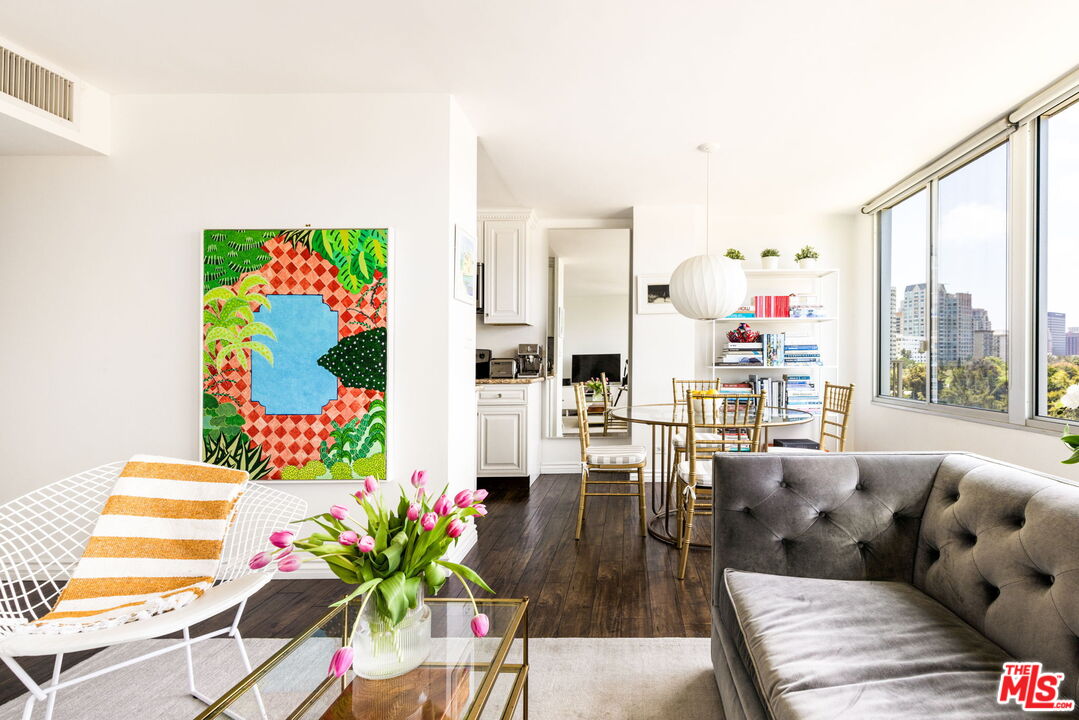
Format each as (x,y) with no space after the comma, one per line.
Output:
(675,415)
(464,678)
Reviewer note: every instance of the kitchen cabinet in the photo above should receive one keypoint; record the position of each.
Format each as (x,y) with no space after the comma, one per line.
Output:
(504,241)
(508,427)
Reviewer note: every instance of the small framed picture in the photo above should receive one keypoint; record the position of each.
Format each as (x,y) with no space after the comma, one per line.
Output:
(464,265)
(654,295)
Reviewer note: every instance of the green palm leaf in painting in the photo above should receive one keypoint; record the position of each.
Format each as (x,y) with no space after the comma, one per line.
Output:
(357,254)
(231,324)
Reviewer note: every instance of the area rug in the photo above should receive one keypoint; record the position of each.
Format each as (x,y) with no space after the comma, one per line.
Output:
(570,679)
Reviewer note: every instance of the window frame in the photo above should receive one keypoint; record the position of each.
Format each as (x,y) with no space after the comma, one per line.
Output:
(932,185)
(1039,324)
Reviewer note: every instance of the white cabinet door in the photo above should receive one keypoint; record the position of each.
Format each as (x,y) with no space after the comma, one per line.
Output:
(503,449)
(505,299)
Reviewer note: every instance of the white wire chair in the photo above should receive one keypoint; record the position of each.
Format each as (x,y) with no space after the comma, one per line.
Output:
(42,537)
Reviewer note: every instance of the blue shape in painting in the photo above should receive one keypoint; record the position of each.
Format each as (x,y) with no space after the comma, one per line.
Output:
(295,384)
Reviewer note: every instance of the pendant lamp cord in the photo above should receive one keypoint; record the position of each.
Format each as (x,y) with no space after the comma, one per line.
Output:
(708,204)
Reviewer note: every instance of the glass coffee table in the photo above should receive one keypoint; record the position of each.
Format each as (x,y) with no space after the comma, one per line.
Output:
(463,678)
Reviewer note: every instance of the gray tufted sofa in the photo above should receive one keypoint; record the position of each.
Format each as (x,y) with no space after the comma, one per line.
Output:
(881,585)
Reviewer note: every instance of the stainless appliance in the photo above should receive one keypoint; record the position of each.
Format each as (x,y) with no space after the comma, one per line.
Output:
(483,364)
(503,368)
(529,360)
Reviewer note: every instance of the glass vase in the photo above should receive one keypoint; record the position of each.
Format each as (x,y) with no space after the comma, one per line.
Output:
(382,651)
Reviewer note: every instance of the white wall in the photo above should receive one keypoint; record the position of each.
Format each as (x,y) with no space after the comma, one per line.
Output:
(595,324)
(101,271)
(877,427)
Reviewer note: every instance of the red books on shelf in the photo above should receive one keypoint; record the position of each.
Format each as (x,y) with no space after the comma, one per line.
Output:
(772,306)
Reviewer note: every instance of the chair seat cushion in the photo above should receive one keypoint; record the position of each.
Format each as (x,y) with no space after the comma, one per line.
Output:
(215,600)
(702,476)
(792,450)
(702,437)
(862,649)
(616,455)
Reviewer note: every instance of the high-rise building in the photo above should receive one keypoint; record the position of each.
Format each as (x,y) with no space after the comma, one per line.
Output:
(911,320)
(955,328)
(980,318)
(1071,341)
(895,318)
(1057,341)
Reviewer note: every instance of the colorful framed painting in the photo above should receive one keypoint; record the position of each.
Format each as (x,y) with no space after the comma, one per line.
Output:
(295,351)
(464,265)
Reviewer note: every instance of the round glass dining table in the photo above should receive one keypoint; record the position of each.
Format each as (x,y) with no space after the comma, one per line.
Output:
(665,419)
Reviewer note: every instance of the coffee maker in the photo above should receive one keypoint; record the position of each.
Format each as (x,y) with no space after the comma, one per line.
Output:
(529,360)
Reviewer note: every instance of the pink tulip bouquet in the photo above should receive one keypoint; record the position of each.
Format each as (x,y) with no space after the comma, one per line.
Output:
(389,556)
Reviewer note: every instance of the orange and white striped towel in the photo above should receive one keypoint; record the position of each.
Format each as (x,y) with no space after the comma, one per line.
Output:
(155,547)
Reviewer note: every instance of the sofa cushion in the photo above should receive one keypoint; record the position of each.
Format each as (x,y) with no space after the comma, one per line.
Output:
(862,649)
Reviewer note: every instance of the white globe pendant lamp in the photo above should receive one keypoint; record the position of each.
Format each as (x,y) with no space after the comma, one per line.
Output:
(708,287)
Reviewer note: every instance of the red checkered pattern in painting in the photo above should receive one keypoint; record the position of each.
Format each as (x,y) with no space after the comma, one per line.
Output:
(295,439)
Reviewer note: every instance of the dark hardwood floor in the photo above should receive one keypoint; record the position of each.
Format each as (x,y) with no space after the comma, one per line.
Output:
(613,583)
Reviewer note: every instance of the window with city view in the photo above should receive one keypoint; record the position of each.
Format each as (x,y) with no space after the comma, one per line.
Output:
(944,337)
(969,358)
(1058,223)
(904,254)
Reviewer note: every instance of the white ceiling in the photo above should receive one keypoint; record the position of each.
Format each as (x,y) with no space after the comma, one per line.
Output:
(586,108)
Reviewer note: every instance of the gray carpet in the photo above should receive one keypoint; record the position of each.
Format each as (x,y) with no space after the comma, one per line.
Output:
(570,679)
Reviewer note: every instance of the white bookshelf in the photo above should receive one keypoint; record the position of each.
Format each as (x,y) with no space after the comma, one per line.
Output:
(824,331)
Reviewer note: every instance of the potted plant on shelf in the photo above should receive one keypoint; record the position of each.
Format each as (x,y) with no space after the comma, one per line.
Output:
(807,257)
(392,556)
(770,259)
(735,255)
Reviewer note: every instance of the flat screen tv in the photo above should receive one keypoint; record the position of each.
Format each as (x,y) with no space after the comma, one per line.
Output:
(587,367)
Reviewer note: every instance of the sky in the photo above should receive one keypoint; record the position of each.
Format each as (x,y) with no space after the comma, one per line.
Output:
(1062,224)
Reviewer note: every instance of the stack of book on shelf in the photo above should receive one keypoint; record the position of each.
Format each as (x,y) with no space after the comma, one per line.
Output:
(801,351)
(769,351)
(801,393)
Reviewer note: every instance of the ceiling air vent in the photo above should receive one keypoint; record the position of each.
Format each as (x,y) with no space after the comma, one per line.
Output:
(31,83)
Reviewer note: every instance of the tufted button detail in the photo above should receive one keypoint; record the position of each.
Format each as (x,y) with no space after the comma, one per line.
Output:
(1050,579)
(992,591)
(859,486)
(934,554)
(861,545)
(783,483)
(972,539)
(746,510)
(1021,522)
(822,514)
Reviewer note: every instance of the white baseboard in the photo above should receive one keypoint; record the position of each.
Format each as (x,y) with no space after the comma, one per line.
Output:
(317,570)
(567,468)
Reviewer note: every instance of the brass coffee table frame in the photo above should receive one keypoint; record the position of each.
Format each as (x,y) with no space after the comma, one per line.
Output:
(497,666)
(656,418)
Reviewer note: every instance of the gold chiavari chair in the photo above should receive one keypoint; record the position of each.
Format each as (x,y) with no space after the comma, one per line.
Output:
(610,423)
(834,417)
(730,423)
(606,459)
(677,448)
(835,413)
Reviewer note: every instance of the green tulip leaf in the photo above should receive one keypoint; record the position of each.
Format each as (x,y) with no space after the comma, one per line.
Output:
(467,573)
(392,591)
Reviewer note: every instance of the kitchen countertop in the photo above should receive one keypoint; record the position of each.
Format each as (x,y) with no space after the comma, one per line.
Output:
(510,381)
